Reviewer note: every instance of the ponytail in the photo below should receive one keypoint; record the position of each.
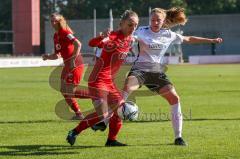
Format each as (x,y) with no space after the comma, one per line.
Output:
(175,16)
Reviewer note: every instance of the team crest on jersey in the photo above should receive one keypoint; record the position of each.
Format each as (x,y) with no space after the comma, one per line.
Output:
(58,47)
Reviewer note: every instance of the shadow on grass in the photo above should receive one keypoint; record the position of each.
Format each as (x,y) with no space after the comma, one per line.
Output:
(48,150)
(34,121)
(209,119)
(186,120)
(229,91)
(38,150)
(157,144)
(138,121)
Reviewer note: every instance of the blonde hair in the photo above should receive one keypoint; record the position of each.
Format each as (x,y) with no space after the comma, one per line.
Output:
(62,21)
(127,14)
(159,11)
(173,16)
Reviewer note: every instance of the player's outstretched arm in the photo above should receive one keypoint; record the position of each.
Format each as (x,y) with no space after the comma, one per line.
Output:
(98,41)
(199,40)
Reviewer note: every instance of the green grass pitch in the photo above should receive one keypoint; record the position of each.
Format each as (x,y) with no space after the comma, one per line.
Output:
(210,97)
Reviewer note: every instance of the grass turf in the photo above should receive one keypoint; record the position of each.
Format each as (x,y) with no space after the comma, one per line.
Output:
(210,101)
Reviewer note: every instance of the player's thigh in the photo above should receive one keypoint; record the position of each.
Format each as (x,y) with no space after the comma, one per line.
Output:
(100,101)
(101,107)
(135,79)
(131,83)
(169,93)
(71,79)
(156,81)
(114,100)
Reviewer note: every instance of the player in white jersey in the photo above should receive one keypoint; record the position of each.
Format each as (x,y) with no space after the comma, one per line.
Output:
(147,70)
(98,52)
(153,46)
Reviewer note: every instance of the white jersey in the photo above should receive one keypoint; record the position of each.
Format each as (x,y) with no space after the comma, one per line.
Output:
(98,52)
(153,46)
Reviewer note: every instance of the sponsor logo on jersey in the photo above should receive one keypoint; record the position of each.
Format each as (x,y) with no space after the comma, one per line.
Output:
(155,46)
(111,46)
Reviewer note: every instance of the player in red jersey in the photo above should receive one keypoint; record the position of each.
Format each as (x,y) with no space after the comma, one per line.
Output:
(115,46)
(68,47)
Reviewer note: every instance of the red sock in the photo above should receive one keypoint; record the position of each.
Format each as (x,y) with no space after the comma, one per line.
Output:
(87,122)
(115,125)
(72,103)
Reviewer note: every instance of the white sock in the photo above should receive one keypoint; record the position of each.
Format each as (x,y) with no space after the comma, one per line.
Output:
(125,95)
(177,120)
(106,121)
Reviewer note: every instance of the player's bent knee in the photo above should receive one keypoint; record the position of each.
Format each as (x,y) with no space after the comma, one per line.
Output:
(132,85)
(174,99)
(131,88)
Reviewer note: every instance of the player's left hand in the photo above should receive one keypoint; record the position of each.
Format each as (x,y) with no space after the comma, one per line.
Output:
(45,57)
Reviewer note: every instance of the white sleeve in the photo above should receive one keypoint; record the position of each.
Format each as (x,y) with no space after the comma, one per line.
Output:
(98,52)
(71,36)
(178,38)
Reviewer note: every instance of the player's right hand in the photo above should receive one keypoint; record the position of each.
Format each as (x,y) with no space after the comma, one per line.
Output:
(105,33)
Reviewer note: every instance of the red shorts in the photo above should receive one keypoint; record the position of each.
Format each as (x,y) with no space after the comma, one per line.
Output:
(74,76)
(105,91)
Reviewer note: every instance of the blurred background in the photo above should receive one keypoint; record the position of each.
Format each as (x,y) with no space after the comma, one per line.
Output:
(25,28)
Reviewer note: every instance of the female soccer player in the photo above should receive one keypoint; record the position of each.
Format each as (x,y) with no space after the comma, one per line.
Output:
(115,46)
(153,43)
(68,47)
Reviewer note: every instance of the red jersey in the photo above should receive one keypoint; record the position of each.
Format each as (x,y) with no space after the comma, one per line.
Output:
(63,45)
(114,51)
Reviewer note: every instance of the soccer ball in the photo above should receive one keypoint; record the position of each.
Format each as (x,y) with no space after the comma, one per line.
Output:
(128,111)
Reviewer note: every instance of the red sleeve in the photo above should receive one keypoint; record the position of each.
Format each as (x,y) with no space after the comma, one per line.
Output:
(96,42)
(68,35)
